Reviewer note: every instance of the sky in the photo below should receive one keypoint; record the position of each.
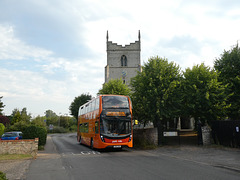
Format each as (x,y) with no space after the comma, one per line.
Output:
(52,51)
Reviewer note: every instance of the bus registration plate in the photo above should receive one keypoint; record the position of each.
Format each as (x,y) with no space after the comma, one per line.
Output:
(117,146)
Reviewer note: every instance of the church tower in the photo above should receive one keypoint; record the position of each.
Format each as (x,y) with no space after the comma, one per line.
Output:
(123,62)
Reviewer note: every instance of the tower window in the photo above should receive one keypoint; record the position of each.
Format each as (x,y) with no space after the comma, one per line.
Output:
(123,60)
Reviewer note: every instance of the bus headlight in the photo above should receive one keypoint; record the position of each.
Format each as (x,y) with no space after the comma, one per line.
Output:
(102,138)
(130,138)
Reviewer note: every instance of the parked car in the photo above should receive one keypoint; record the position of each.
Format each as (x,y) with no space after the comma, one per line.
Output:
(12,135)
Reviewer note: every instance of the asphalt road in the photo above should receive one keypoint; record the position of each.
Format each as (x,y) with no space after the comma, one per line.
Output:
(64,158)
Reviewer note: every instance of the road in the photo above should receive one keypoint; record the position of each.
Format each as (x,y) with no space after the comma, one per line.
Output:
(64,158)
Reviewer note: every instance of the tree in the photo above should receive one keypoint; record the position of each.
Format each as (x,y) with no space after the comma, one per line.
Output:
(115,86)
(4,120)
(39,121)
(18,116)
(49,114)
(1,105)
(156,91)
(77,102)
(25,116)
(51,118)
(203,94)
(229,67)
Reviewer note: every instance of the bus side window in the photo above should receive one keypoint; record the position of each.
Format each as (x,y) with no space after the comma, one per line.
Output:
(86,127)
(87,108)
(94,105)
(97,103)
(90,107)
(81,110)
(96,127)
(80,128)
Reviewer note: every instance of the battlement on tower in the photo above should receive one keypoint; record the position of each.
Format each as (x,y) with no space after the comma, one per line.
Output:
(129,47)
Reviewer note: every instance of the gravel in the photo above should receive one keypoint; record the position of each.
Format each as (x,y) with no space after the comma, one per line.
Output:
(15,169)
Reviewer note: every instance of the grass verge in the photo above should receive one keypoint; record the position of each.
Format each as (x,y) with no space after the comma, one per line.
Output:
(15,156)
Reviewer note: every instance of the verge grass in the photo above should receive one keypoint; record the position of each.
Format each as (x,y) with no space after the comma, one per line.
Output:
(15,156)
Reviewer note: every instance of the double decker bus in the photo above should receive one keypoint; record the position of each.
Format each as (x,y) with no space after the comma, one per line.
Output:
(106,121)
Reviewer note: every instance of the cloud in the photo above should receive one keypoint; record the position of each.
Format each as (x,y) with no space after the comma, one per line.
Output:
(35,78)
(13,48)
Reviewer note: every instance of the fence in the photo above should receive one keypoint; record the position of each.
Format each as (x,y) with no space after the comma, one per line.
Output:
(226,133)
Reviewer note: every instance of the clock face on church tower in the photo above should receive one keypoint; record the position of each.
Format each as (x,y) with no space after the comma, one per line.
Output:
(124,73)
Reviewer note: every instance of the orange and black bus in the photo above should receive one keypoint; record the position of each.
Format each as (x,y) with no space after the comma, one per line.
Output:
(106,121)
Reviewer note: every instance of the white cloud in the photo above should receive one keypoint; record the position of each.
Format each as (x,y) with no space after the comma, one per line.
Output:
(13,48)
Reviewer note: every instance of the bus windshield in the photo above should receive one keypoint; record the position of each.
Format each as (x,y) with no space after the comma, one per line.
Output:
(115,127)
(112,102)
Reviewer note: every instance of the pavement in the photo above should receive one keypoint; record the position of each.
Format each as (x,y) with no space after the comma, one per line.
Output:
(217,156)
(47,161)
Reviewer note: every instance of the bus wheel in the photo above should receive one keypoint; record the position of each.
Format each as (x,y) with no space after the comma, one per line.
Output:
(80,140)
(92,144)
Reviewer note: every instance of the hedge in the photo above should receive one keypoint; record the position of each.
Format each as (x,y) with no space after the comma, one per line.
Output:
(33,132)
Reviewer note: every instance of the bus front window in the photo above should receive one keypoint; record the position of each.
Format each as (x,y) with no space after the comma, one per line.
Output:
(115,127)
(111,102)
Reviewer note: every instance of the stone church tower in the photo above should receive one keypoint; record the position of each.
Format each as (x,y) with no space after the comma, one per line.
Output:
(123,62)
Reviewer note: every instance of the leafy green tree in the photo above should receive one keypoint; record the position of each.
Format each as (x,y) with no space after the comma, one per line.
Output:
(39,121)
(229,67)
(64,122)
(49,114)
(18,116)
(1,105)
(51,118)
(156,92)
(77,102)
(18,126)
(203,94)
(115,86)
(25,116)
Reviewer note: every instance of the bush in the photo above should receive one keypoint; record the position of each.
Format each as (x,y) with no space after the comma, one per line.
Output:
(2,127)
(3,176)
(57,129)
(33,132)
(73,128)
(19,126)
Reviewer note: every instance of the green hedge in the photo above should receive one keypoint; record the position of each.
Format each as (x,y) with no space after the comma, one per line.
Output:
(33,132)
(2,127)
